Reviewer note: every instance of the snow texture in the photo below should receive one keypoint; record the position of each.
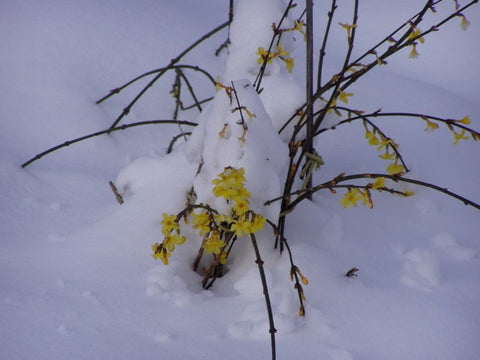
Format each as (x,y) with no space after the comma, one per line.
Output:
(77,280)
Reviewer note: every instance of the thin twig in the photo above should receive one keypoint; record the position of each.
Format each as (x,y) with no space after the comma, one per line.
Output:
(277,30)
(379,114)
(335,92)
(181,66)
(121,127)
(308,144)
(396,177)
(201,102)
(225,44)
(324,44)
(191,91)
(297,286)
(175,60)
(266,295)
(177,92)
(175,139)
(115,192)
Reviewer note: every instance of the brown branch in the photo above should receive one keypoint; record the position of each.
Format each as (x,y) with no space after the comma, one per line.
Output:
(266,295)
(115,192)
(191,91)
(276,33)
(175,139)
(396,177)
(324,43)
(182,66)
(175,60)
(108,131)
(308,144)
(378,114)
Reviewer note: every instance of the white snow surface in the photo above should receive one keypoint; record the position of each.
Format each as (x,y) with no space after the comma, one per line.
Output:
(76,277)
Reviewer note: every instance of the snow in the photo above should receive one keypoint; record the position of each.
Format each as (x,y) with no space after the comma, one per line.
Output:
(225,138)
(77,279)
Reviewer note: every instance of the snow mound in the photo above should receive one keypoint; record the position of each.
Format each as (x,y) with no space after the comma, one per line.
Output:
(238,135)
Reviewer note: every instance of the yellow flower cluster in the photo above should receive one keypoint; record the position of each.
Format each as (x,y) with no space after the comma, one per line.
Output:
(385,144)
(343,96)
(171,231)
(230,186)
(362,193)
(414,35)
(461,135)
(458,135)
(395,168)
(268,56)
(378,184)
(215,228)
(353,195)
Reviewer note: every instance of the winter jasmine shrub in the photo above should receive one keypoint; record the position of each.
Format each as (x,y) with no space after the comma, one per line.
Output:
(253,142)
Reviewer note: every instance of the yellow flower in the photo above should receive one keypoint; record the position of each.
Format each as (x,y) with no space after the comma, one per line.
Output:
(372,139)
(164,255)
(351,197)
(178,239)
(159,252)
(384,143)
(395,168)
(264,55)
(241,207)
(168,243)
(223,258)
(213,244)
(281,52)
(304,279)
(238,176)
(241,194)
(221,191)
(172,240)
(201,222)
(241,226)
(465,120)
(343,96)
(156,248)
(430,125)
(460,136)
(299,26)
(413,53)
(379,183)
(387,155)
(258,222)
(229,184)
(169,223)
(415,33)
(289,63)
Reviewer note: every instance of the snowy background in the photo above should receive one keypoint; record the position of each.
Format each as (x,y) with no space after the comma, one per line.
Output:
(76,277)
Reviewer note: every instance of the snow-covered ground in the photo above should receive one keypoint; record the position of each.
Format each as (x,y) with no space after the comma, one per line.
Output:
(77,280)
